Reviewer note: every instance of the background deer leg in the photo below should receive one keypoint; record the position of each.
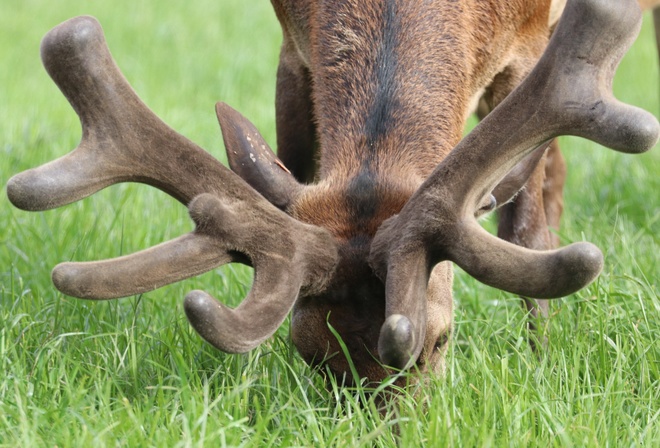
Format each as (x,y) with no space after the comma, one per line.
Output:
(523,222)
(296,133)
(532,219)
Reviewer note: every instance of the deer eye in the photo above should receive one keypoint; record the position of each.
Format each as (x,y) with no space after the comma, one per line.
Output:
(442,340)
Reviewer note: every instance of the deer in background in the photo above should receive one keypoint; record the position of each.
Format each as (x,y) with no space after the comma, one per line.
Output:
(374,193)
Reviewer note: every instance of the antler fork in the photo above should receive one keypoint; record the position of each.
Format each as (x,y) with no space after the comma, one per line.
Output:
(123,141)
(567,93)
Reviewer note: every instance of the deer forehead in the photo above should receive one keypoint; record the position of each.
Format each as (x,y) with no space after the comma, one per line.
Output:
(355,207)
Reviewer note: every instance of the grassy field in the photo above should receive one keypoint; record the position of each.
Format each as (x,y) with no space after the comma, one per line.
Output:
(133,373)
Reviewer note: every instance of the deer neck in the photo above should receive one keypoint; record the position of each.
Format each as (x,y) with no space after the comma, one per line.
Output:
(407,92)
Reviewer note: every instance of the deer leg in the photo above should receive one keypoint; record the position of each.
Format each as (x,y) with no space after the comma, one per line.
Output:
(523,222)
(296,133)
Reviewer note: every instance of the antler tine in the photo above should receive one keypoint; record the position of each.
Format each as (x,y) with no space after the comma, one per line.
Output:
(144,271)
(567,93)
(124,141)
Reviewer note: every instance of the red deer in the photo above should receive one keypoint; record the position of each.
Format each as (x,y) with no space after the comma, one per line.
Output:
(374,193)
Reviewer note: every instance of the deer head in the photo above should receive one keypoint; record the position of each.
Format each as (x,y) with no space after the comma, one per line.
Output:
(385,282)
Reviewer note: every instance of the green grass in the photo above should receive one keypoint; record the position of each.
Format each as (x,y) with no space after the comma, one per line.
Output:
(133,373)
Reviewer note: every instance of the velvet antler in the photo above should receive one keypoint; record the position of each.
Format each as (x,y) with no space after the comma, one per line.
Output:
(123,141)
(567,93)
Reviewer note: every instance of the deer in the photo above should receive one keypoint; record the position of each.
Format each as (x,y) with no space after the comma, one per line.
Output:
(374,194)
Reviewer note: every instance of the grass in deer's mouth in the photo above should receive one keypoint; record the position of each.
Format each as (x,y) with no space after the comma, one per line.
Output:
(132,372)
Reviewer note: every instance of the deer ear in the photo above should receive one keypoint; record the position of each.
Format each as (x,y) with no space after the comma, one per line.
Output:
(252,159)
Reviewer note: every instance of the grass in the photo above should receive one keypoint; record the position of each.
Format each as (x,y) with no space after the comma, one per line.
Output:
(133,373)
